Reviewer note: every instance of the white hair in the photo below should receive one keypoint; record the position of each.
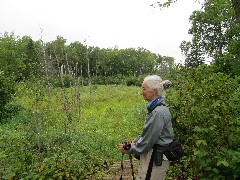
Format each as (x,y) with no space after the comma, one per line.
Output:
(156,82)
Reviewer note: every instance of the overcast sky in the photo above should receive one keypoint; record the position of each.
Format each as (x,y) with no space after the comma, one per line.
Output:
(102,23)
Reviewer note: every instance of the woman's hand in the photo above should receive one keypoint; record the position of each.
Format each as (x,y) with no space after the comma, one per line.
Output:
(122,150)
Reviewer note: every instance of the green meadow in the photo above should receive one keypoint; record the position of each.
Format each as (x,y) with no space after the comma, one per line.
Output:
(44,140)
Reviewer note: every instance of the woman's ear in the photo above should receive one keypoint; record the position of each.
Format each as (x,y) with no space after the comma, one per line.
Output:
(155,91)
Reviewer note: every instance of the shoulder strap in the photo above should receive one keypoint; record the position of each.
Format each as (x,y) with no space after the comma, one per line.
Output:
(154,106)
(150,166)
(161,104)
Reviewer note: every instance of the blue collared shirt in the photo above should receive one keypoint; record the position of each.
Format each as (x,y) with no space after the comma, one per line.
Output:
(153,102)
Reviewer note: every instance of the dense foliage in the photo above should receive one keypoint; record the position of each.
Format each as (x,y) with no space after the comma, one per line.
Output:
(205,107)
(6,94)
(215,35)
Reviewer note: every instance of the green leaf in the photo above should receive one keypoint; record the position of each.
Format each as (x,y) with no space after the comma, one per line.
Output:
(223,162)
(199,142)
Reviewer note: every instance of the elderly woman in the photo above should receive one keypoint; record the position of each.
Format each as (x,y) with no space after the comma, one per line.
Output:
(157,131)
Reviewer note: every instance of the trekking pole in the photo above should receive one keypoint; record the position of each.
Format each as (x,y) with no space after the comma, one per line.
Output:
(130,157)
(127,146)
(121,167)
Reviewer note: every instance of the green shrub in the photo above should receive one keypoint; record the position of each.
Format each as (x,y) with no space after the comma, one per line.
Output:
(6,93)
(134,81)
(205,108)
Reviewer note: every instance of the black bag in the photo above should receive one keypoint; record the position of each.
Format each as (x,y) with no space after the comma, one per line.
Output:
(173,151)
(137,157)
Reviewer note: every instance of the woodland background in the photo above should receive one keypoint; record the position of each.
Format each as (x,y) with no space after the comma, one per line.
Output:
(64,108)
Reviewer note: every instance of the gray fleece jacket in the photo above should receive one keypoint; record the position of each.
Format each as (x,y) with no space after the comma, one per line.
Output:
(157,130)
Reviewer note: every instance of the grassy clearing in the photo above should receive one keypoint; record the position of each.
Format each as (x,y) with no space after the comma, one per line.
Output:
(48,141)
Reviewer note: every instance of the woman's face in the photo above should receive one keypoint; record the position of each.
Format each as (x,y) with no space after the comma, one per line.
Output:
(147,93)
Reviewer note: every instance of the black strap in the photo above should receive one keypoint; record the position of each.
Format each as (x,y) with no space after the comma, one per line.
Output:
(154,106)
(150,166)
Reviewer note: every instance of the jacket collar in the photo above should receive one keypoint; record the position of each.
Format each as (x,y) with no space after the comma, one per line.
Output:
(154,103)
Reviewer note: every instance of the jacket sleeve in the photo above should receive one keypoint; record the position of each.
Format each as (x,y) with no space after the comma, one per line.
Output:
(151,131)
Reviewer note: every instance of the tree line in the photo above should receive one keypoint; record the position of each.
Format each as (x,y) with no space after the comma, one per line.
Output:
(22,58)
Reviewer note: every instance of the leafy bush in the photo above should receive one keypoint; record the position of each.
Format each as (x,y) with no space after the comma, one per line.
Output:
(6,93)
(134,81)
(205,107)
(117,80)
